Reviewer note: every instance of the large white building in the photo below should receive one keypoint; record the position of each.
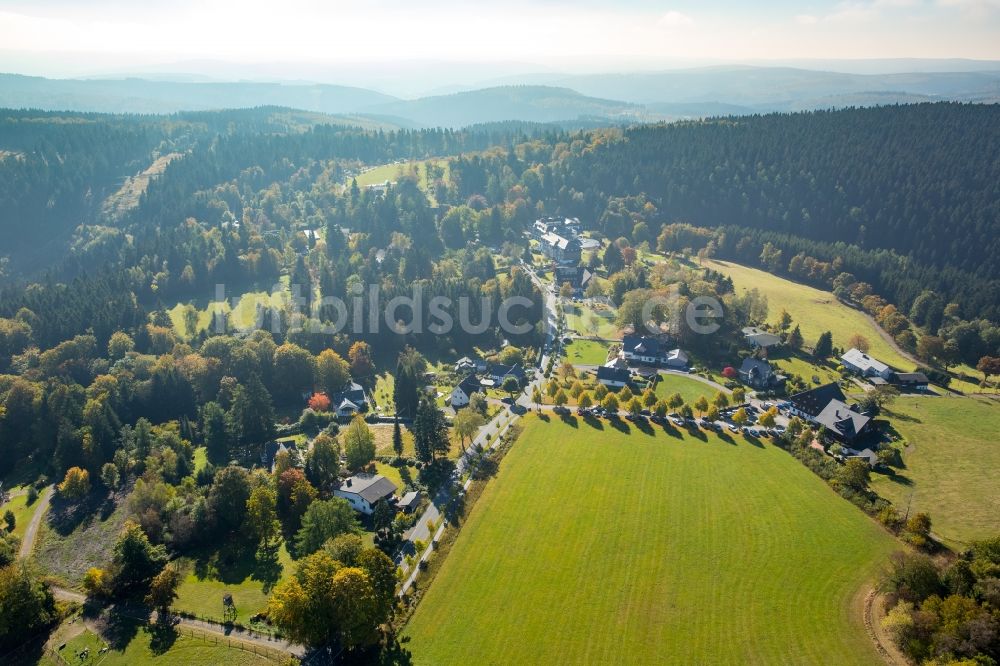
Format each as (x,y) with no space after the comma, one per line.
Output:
(857,361)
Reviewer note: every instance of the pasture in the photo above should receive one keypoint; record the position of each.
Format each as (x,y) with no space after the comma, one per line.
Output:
(814,310)
(596,546)
(952,463)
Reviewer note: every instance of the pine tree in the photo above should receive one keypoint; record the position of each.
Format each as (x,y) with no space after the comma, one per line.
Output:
(824,346)
(397,437)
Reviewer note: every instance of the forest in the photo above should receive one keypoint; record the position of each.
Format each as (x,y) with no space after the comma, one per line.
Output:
(109,372)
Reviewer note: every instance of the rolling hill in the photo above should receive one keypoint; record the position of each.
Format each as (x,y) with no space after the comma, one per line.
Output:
(145,96)
(528,103)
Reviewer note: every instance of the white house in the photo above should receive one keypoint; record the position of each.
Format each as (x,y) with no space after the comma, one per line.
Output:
(759,338)
(363,491)
(613,377)
(346,409)
(676,359)
(462,393)
(861,363)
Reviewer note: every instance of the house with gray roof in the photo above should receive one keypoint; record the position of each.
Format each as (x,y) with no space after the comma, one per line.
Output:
(462,393)
(758,338)
(862,364)
(614,378)
(842,421)
(825,406)
(364,491)
(758,374)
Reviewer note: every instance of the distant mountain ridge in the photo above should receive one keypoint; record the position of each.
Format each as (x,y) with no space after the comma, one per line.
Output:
(135,95)
(540,104)
(622,98)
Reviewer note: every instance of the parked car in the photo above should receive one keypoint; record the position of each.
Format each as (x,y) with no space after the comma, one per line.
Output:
(734,428)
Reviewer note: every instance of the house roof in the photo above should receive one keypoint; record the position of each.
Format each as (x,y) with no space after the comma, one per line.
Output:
(760,338)
(813,401)
(604,373)
(841,419)
(346,404)
(561,242)
(643,345)
(353,392)
(469,385)
(911,377)
(867,455)
(501,371)
(370,487)
(755,364)
(863,361)
(677,355)
(409,500)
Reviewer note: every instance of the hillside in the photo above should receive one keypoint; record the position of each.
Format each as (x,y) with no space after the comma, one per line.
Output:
(135,95)
(778,88)
(919,180)
(597,546)
(526,103)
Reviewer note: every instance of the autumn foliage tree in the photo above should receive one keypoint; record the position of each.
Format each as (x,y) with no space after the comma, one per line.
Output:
(76,484)
(327,603)
(319,402)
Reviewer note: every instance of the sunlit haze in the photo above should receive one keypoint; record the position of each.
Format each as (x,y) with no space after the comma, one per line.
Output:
(62,38)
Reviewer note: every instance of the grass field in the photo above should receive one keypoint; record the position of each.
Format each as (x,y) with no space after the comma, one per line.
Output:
(241,316)
(952,464)
(797,365)
(587,352)
(392,172)
(690,389)
(23,512)
(815,311)
(203,587)
(145,648)
(66,547)
(586,320)
(596,547)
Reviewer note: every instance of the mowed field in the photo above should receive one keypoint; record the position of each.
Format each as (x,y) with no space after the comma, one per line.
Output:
(814,310)
(952,464)
(593,546)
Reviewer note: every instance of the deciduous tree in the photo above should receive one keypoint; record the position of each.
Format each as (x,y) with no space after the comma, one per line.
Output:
(359,444)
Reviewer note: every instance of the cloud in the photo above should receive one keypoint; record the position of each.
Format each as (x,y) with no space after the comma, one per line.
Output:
(675,19)
(806,19)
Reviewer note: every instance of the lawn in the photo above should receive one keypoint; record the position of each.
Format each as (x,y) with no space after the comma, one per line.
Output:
(587,352)
(23,512)
(383,440)
(242,315)
(952,463)
(592,546)
(200,458)
(385,384)
(806,369)
(207,580)
(690,389)
(587,320)
(144,648)
(392,172)
(815,311)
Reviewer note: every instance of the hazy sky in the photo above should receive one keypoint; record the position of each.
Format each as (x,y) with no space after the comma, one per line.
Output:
(57,37)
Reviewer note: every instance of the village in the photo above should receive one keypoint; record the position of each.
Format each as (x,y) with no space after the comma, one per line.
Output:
(747,396)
